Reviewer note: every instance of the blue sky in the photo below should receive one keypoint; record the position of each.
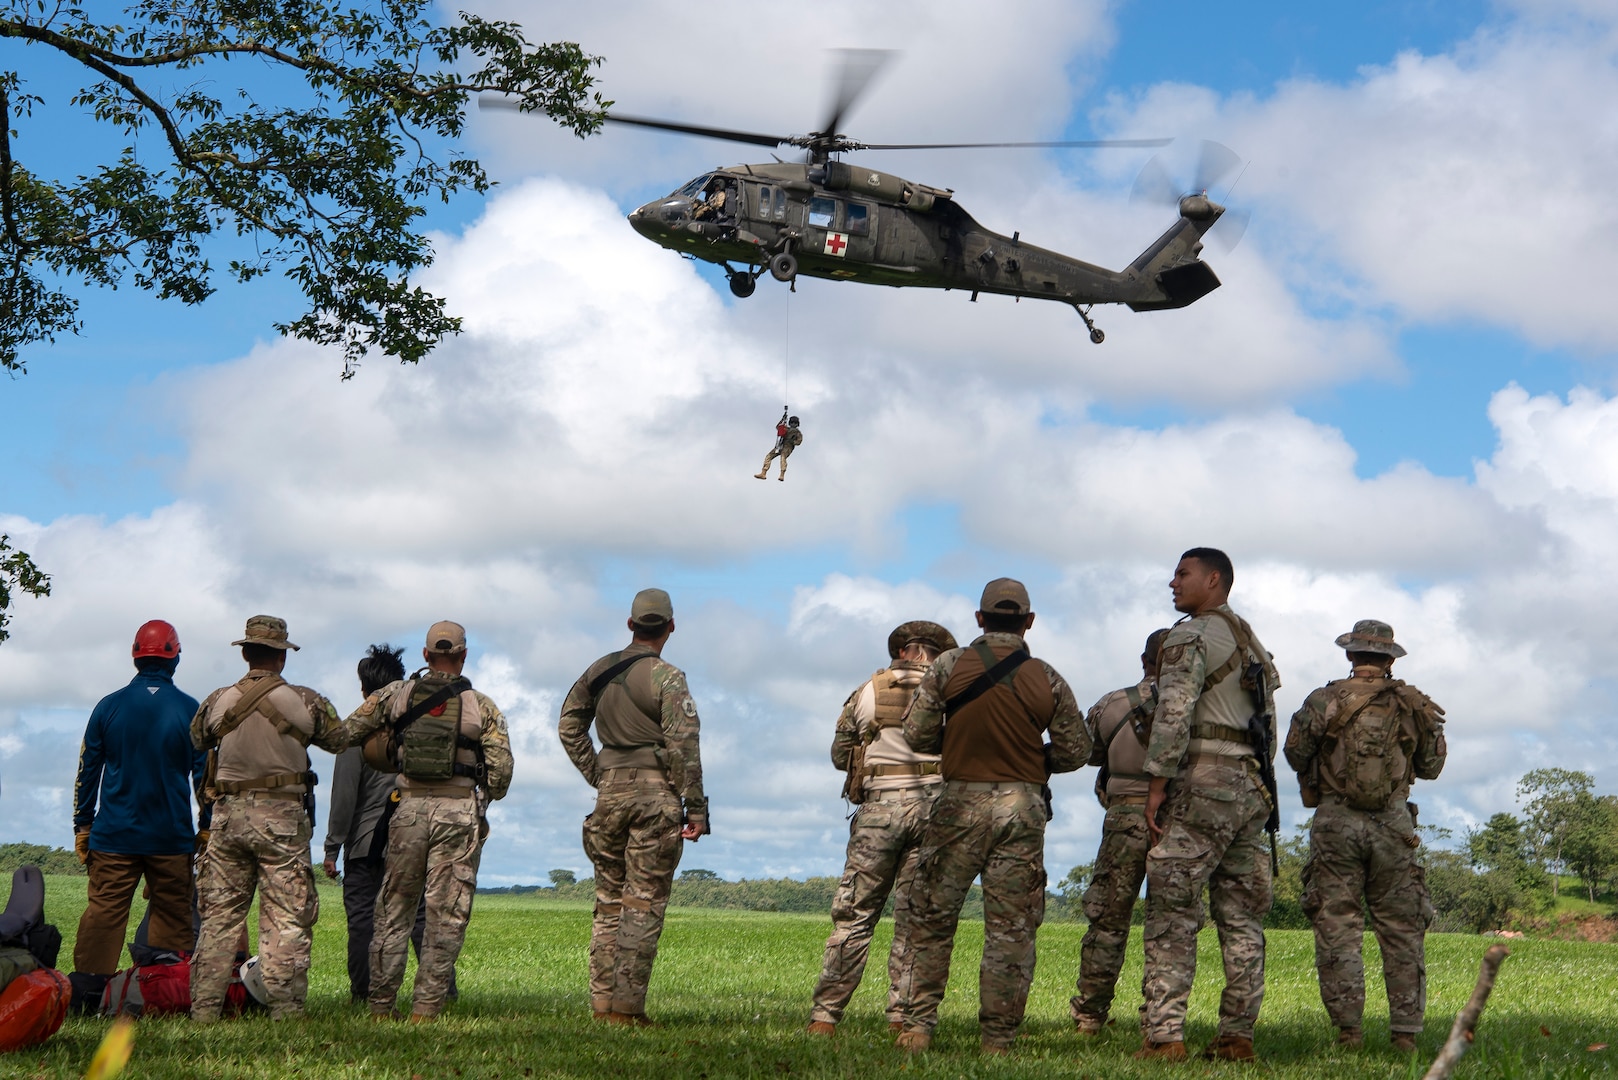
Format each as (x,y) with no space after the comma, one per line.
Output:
(1419,178)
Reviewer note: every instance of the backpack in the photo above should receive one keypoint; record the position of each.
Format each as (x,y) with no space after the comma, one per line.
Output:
(32,1007)
(429,732)
(1365,744)
(162,990)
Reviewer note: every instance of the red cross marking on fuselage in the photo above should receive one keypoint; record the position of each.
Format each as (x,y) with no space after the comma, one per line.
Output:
(835,243)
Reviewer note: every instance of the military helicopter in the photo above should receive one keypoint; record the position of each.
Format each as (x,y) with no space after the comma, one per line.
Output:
(827,218)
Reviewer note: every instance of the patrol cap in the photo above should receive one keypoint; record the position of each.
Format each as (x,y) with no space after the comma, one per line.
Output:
(447,638)
(919,631)
(652,607)
(1372,636)
(266,630)
(1005,596)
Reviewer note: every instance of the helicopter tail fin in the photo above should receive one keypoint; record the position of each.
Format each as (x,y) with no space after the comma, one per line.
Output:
(1173,275)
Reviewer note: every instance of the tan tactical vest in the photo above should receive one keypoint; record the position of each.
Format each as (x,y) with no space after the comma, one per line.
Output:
(629,717)
(895,688)
(1126,754)
(471,728)
(266,750)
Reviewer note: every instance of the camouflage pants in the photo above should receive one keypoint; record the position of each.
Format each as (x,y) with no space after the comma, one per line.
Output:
(433,850)
(1109,904)
(633,841)
(998,831)
(884,846)
(258,842)
(1355,855)
(1214,839)
(771,456)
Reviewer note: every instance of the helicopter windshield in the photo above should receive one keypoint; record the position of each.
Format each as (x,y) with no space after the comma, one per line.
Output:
(694,188)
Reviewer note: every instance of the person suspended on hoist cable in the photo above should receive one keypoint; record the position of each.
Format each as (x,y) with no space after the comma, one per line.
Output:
(787,438)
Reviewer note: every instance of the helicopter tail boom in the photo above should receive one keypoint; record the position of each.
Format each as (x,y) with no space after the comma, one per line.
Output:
(1173,275)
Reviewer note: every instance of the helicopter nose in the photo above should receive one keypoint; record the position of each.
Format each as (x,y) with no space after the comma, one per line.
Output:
(661,217)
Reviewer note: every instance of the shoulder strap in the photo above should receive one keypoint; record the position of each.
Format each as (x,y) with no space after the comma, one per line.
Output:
(1345,717)
(246,705)
(995,672)
(458,685)
(1244,645)
(599,683)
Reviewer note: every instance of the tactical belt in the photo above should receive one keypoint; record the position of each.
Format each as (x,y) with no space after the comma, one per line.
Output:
(439,791)
(634,772)
(255,794)
(922,768)
(998,785)
(1244,761)
(1125,800)
(1222,733)
(278,780)
(909,791)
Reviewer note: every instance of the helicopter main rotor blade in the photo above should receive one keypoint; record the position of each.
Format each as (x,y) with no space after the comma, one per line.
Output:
(856,69)
(1215,162)
(1070,144)
(489,101)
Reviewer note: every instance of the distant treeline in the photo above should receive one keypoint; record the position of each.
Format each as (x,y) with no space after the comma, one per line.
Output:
(50,860)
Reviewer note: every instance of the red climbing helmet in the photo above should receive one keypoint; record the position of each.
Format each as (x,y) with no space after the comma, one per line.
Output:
(156,638)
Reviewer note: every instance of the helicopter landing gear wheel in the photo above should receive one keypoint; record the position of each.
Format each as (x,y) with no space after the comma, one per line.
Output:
(742,285)
(1095,331)
(784,267)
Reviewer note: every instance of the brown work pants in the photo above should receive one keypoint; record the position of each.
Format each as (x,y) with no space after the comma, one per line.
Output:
(113,878)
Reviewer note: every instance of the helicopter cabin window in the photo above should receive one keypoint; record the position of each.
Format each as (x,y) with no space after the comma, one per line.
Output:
(822,212)
(857,219)
(766,199)
(780,204)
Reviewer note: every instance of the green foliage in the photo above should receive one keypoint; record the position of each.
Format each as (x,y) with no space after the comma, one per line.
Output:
(1592,842)
(563,877)
(731,990)
(698,875)
(1556,800)
(323,168)
(1502,845)
(18,574)
(49,860)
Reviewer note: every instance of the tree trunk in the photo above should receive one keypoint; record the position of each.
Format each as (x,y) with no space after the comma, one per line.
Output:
(1464,1030)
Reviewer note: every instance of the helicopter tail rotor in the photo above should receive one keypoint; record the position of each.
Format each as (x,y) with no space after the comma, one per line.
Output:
(1156,185)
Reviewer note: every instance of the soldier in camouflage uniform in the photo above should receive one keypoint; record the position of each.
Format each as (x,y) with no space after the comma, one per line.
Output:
(1119,726)
(1357,744)
(788,437)
(986,708)
(1205,783)
(435,839)
(648,764)
(259,731)
(895,788)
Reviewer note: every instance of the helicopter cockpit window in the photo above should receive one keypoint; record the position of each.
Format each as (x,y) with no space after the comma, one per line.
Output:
(822,212)
(694,188)
(858,219)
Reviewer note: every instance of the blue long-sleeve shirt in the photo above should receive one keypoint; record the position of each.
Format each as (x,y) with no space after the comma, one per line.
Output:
(138,764)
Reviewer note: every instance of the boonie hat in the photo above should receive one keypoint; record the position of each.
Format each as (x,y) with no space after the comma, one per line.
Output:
(447,638)
(919,630)
(1372,636)
(1005,596)
(266,630)
(651,607)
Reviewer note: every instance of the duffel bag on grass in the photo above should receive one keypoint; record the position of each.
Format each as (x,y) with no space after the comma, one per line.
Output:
(32,1007)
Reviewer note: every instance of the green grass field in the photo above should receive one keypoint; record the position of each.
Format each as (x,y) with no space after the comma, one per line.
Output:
(732,988)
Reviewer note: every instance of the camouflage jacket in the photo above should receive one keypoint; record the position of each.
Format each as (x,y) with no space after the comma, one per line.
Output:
(924,728)
(375,711)
(1195,647)
(255,748)
(679,751)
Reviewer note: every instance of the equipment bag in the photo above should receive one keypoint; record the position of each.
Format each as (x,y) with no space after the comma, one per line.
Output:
(1365,745)
(32,1007)
(161,990)
(429,732)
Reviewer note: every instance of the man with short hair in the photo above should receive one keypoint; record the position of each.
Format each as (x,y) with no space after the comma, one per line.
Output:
(1206,809)
(361,806)
(1120,725)
(648,764)
(788,437)
(259,731)
(450,746)
(986,709)
(894,787)
(132,812)
(1357,745)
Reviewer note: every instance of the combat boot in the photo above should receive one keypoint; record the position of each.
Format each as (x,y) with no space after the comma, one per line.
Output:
(423,1018)
(1085,1024)
(896,1026)
(640,1020)
(600,1015)
(1353,1038)
(1404,1042)
(761,475)
(821,1027)
(1160,1051)
(994,1049)
(914,1041)
(1230,1048)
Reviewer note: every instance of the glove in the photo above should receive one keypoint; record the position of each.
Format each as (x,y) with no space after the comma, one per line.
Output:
(202,841)
(81,845)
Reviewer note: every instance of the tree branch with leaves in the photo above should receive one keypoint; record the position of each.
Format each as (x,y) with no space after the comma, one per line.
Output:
(18,575)
(327,185)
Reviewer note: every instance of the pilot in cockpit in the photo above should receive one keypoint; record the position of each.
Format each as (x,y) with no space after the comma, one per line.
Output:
(715,206)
